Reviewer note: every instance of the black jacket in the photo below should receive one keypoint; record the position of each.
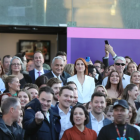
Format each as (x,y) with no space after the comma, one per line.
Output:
(44,131)
(49,75)
(5,133)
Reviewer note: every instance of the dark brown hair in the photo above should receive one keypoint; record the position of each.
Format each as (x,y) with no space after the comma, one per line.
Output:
(71,82)
(97,94)
(53,81)
(2,73)
(134,114)
(26,91)
(65,87)
(119,86)
(85,112)
(86,66)
(61,53)
(41,80)
(125,94)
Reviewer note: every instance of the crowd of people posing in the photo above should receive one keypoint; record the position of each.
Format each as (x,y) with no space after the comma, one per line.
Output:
(80,101)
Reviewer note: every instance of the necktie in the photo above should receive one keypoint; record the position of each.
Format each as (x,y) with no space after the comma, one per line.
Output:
(39,73)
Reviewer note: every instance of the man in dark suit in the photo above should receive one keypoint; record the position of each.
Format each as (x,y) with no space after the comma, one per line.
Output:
(57,69)
(64,56)
(96,116)
(38,70)
(39,121)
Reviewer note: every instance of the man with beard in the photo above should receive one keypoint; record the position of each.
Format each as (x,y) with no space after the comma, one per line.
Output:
(38,63)
(55,85)
(65,99)
(39,121)
(119,130)
(96,116)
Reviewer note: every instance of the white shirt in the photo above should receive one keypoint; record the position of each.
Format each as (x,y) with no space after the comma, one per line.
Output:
(37,74)
(58,78)
(96,126)
(86,90)
(2,86)
(64,121)
(125,80)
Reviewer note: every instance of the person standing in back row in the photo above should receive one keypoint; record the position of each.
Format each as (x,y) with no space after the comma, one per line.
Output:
(38,70)
(85,84)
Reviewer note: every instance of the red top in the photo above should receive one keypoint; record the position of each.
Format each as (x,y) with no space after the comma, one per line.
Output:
(75,134)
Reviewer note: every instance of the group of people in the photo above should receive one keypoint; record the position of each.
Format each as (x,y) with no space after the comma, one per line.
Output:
(80,101)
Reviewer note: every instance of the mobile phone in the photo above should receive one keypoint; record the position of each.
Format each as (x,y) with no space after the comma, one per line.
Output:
(106,42)
(87,59)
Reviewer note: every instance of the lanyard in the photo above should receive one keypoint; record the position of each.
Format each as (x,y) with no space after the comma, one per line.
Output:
(124,132)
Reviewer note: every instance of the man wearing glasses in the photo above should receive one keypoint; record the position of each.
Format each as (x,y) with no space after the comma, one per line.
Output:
(119,65)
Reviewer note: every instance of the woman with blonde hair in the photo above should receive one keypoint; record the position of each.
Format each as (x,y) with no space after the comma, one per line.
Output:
(85,84)
(135,79)
(69,68)
(100,88)
(131,67)
(12,85)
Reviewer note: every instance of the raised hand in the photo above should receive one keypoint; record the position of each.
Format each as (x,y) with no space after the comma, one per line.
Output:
(39,117)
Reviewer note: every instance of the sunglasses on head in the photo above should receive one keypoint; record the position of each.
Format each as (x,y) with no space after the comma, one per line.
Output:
(118,64)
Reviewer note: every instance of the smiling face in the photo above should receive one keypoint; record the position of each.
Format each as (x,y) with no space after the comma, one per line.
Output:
(98,104)
(57,67)
(56,88)
(135,78)
(119,68)
(114,78)
(66,98)
(14,85)
(33,93)
(131,68)
(80,66)
(24,99)
(79,116)
(133,93)
(75,94)
(16,65)
(38,60)
(45,101)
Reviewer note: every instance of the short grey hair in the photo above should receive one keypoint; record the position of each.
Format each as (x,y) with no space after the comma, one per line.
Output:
(120,58)
(57,57)
(8,103)
(22,66)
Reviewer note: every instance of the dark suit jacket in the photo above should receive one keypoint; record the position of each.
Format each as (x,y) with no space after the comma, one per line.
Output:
(66,75)
(105,122)
(32,74)
(49,75)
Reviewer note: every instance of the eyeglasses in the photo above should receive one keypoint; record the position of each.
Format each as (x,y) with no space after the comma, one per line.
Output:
(118,64)
(14,64)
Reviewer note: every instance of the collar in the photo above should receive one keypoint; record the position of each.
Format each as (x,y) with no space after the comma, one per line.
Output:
(55,75)
(36,71)
(93,118)
(61,111)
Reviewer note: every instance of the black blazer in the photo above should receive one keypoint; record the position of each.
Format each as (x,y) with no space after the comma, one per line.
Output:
(49,75)
(32,74)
